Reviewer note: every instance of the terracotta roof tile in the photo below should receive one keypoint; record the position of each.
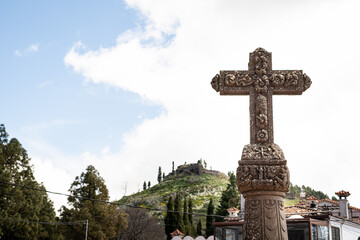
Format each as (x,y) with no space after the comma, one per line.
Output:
(177,233)
(337,203)
(311,198)
(343,193)
(233,209)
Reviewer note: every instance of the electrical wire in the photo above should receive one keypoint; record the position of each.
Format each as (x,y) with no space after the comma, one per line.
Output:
(108,202)
(48,223)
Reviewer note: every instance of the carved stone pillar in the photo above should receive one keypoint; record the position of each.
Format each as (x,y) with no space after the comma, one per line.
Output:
(263,179)
(262,175)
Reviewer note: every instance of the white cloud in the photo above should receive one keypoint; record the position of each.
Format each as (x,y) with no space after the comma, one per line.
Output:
(317,131)
(31,49)
(44,84)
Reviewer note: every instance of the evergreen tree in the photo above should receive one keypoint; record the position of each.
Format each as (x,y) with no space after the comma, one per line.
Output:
(229,198)
(149,184)
(199,228)
(209,218)
(187,226)
(163,176)
(103,218)
(190,210)
(205,164)
(159,175)
(169,220)
(19,203)
(178,216)
(173,167)
(144,185)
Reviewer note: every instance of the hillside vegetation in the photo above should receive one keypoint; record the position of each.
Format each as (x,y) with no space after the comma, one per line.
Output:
(193,180)
(190,180)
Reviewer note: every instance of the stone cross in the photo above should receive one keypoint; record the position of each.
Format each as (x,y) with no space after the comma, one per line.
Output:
(261,82)
(262,175)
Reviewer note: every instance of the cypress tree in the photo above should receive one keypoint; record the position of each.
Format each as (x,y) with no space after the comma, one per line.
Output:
(187,226)
(209,218)
(149,184)
(178,216)
(173,167)
(169,219)
(199,228)
(159,175)
(144,186)
(190,210)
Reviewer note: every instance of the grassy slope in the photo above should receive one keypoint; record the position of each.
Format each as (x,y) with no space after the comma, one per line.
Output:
(290,202)
(199,187)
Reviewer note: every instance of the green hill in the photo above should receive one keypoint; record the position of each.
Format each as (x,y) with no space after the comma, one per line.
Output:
(188,180)
(201,184)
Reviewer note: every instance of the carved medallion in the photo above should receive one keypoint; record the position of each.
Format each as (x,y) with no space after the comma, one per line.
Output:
(277,80)
(261,84)
(262,136)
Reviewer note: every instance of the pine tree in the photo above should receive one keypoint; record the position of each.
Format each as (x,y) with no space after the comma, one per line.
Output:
(209,218)
(19,203)
(103,218)
(229,198)
(178,216)
(163,176)
(173,167)
(199,228)
(159,175)
(149,184)
(169,219)
(205,164)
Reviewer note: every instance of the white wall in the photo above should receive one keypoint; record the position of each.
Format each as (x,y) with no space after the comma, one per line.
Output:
(348,230)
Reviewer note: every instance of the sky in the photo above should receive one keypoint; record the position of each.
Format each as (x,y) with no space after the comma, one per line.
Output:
(125,86)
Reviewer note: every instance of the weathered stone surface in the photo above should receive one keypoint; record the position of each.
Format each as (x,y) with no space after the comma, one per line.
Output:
(262,175)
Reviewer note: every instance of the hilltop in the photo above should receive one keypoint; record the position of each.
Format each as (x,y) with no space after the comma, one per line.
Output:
(188,180)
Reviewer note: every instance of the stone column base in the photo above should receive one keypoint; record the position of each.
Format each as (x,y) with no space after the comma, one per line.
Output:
(265,216)
(263,179)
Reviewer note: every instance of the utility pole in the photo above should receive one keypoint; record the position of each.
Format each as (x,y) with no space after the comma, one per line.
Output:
(86,231)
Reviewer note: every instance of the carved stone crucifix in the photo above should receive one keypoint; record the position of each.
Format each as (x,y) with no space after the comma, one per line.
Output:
(262,175)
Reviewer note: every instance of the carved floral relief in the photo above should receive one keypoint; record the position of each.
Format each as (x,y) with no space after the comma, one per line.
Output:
(263,177)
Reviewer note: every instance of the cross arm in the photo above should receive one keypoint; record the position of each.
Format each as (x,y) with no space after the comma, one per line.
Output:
(289,82)
(233,82)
